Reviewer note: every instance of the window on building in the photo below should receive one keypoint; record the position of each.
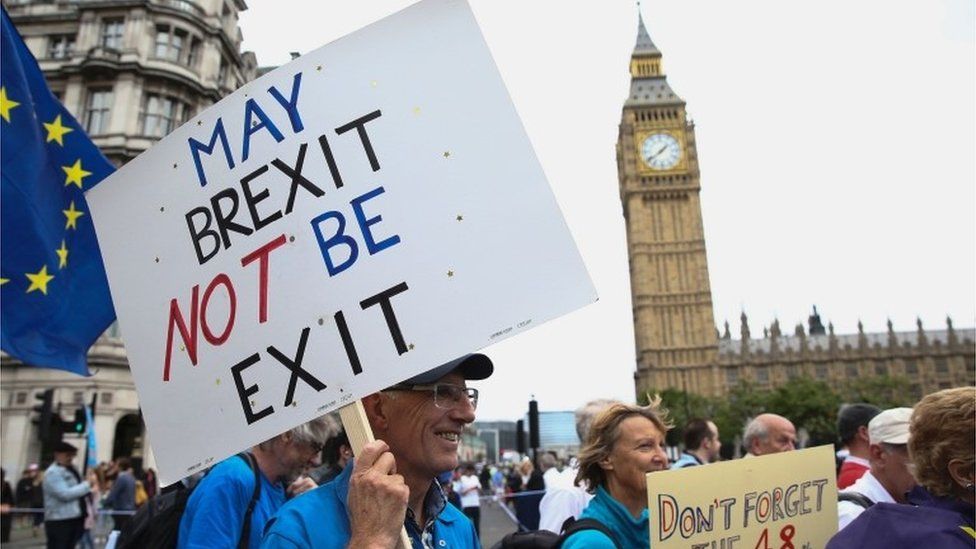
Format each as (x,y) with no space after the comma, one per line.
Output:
(821,371)
(941,365)
(112,30)
(193,56)
(77,397)
(20,397)
(911,367)
(971,365)
(222,72)
(170,43)
(61,46)
(732,376)
(852,370)
(162,114)
(792,371)
(762,374)
(880,368)
(945,385)
(107,399)
(97,111)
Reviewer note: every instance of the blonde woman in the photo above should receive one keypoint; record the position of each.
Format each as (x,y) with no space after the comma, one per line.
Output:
(625,443)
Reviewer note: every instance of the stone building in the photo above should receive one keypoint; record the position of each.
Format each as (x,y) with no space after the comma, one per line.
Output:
(676,341)
(130,71)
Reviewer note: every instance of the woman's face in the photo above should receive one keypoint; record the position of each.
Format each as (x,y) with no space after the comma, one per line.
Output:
(638,450)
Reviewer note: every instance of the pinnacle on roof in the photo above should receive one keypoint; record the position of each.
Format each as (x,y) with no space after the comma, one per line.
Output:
(644,45)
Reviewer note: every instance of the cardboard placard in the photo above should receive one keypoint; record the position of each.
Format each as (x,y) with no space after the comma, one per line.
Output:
(358,216)
(779,500)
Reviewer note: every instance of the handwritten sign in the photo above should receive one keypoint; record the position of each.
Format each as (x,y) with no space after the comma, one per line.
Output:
(363,214)
(779,501)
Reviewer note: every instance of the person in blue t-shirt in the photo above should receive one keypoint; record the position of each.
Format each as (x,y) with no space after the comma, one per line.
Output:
(214,515)
(625,443)
(392,483)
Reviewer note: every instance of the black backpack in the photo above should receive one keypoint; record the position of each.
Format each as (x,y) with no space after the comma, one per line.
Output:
(855,497)
(157,523)
(544,539)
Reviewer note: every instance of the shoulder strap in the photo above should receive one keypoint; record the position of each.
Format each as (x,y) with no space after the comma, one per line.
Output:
(572,525)
(245,538)
(856,498)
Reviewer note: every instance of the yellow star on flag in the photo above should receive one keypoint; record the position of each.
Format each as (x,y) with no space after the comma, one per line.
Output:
(74,174)
(6,104)
(56,131)
(4,281)
(72,214)
(39,280)
(62,255)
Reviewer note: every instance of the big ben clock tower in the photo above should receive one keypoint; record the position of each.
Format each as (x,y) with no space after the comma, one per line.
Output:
(657,166)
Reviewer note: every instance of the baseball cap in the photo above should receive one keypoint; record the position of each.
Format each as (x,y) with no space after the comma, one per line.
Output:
(890,426)
(473,366)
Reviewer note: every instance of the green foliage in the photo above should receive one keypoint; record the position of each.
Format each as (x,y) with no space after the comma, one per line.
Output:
(808,403)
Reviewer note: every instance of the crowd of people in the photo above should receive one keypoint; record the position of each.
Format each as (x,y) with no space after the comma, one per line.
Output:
(906,476)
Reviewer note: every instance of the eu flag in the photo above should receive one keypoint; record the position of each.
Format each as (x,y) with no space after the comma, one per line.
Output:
(54,297)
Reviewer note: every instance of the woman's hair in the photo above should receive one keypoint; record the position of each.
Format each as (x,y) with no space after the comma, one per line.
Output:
(604,433)
(943,428)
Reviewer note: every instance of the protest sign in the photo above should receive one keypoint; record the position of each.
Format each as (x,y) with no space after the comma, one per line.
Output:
(365,213)
(780,501)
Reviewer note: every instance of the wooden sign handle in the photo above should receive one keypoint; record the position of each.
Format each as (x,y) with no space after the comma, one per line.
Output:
(360,433)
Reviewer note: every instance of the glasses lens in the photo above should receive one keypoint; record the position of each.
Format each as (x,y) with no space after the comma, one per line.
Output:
(452,396)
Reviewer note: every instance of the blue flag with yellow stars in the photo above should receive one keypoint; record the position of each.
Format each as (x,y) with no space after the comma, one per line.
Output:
(54,296)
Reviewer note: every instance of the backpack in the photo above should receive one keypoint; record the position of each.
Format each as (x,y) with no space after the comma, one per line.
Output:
(854,497)
(157,523)
(544,539)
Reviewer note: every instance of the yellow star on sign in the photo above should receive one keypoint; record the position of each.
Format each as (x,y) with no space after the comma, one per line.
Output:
(6,104)
(74,174)
(62,255)
(72,214)
(39,280)
(55,131)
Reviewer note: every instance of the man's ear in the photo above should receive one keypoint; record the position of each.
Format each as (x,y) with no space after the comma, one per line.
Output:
(377,412)
(876,453)
(862,433)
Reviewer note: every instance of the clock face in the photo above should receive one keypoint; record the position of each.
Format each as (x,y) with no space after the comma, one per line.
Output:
(661,151)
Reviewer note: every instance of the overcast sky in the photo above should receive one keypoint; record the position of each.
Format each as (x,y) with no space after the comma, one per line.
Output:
(837,146)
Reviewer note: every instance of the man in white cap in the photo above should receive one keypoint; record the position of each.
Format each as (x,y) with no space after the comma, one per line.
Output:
(889,478)
(392,482)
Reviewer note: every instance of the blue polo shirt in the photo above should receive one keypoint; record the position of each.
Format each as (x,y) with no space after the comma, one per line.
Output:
(320,519)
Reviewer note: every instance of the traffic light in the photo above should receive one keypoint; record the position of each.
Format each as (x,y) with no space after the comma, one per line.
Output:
(520,436)
(45,411)
(81,421)
(533,424)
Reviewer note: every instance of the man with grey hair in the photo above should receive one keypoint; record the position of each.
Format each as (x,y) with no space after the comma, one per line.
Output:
(215,512)
(563,499)
(769,434)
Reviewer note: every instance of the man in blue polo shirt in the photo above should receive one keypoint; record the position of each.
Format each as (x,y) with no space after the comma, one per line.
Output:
(392,482)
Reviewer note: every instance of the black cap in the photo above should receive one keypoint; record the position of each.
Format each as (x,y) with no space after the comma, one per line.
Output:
(851,417)
(65,447)
(474,366)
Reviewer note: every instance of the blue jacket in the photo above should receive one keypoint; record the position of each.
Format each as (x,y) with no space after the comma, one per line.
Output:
(320,519)
(686,460)
(926,521)
(62,494)
(632,533)
(214,514)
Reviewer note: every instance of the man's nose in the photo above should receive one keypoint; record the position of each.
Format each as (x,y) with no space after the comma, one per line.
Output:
(463,411)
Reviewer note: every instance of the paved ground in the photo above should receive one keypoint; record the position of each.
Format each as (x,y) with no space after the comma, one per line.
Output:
(495,523)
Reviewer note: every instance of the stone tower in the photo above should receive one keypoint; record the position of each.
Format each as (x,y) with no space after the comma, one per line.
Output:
(657,165)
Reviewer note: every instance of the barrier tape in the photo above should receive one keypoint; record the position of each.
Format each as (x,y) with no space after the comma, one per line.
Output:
(36,510)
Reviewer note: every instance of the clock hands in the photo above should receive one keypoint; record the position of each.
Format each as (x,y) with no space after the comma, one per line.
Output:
(658,153)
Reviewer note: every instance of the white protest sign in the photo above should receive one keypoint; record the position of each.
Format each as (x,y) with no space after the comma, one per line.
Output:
(365,213)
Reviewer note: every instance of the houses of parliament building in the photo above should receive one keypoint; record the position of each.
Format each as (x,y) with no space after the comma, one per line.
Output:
(676,341)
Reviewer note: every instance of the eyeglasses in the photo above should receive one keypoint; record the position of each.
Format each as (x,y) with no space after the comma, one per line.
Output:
(312,445)
(447,396)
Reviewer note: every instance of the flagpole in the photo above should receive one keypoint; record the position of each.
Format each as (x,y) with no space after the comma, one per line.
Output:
(90,430)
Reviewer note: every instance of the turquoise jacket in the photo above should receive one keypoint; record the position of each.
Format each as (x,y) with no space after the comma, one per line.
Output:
(319,519)
(630,532)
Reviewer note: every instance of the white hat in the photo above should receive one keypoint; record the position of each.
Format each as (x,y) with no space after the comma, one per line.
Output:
(890,426)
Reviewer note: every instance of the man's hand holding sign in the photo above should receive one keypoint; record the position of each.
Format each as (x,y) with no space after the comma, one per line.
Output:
(332,228)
